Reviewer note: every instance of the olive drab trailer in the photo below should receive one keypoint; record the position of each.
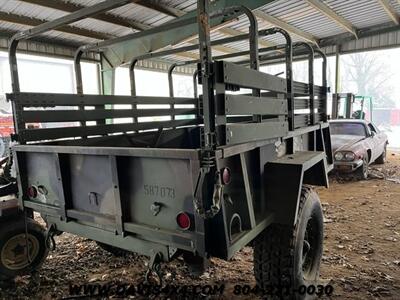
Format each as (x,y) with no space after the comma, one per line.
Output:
(206,176)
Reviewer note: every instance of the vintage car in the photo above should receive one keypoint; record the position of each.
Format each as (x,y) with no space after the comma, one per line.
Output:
(356,144)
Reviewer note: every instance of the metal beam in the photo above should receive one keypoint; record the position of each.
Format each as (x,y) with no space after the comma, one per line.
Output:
(109,18)
(233,32)
(17,19)
(159,7)
(45,46)
(73,7)
(220,48)
(337,69)
(362,33)
(328,12)
(289,28)
(174,12)
(391,12)
(194,41)
(122,50)
(83,13)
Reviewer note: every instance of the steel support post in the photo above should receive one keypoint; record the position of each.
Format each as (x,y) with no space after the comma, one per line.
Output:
(206,74)
(324,82)
(78,77)
(171,88)
(170,80)
(132,76)
(195,89)
(289,70)
(107,79)
(310,51)
(78,71)
(337,69)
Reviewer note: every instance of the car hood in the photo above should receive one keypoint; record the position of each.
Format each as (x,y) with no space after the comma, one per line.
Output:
(345,142)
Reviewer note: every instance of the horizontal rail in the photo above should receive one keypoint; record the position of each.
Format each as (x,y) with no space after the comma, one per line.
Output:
(242,133)
(244,77)
(41,116)
(302,103)
(70,132)
(243,105)
(320,90)
(51,100)
(303,89)
(301,120)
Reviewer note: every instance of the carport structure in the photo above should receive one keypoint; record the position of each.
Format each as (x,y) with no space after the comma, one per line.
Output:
(335,26)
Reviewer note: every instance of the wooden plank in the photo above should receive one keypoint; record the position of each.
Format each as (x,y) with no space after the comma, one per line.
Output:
(301,120)
(51,100)
(43,116)
(242,133)
(301,88)
(68,132)
(248,78)
(244,105)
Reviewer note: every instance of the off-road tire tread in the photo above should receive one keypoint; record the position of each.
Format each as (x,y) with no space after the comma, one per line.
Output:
(273,256)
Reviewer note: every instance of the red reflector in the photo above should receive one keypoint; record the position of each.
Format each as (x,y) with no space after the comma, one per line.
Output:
(226,176)
(183,220)
(32,192)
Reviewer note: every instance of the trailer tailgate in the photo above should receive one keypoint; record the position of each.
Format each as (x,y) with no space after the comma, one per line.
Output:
(127,191)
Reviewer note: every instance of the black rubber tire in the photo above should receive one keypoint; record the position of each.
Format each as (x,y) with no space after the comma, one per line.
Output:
(362,171)
(382,158)
(113,250)
(278,251)
(13,228)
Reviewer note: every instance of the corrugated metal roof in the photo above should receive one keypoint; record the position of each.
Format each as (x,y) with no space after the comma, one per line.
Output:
(302,16)
(361,13)
(298,13)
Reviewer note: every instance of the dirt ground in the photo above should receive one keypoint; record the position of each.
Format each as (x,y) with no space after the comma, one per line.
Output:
(361,251)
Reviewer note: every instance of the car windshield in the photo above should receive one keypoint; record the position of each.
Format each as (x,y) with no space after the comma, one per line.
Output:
(348,128)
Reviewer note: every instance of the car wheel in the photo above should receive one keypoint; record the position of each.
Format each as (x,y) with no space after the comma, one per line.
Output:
(382,158)
(362,171)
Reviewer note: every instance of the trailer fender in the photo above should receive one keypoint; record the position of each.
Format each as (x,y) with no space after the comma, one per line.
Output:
(283,180)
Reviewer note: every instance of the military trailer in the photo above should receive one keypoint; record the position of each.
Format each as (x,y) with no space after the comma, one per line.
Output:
(204,177)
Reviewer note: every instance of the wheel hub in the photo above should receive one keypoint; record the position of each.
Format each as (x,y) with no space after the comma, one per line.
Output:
(19,251)
(309,247)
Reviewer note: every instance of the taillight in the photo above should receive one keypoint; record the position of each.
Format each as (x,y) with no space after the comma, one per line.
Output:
(226,176)
(183,220)
(32,192)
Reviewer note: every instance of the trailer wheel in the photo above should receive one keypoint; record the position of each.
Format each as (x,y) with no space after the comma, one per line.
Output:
(14,245)
(113,250)
(290,256)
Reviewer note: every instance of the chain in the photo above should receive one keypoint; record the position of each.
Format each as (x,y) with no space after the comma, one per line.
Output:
(208,163)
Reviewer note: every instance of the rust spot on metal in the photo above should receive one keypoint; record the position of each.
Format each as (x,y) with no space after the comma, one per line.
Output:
(203,19)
